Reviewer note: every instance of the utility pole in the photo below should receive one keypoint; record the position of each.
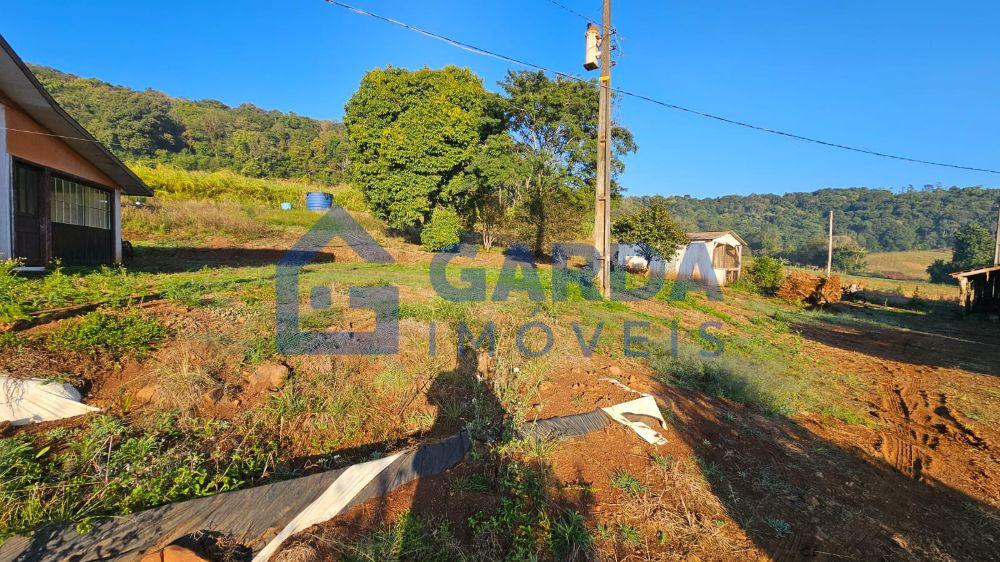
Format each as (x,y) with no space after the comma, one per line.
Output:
(602,206)
(829,249)
(996,251)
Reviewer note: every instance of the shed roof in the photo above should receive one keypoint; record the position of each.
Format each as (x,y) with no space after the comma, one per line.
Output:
(21,86)
(708,236)
(974,272)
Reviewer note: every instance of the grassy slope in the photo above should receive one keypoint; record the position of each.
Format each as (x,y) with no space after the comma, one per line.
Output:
(911,264)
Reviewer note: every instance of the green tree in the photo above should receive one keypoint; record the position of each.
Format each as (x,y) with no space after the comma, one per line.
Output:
(848,256)
(556,119)
(973,247)
(652,229)
(413,134)
(497,176)
(765,274)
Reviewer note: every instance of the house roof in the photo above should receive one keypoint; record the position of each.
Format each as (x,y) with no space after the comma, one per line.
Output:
(974,272)
(21,86)
(712,235)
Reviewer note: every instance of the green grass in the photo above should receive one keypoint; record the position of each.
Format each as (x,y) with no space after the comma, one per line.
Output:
(119,334)
(108,467)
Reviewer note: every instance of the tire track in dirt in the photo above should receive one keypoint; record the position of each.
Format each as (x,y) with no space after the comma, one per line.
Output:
(915,421)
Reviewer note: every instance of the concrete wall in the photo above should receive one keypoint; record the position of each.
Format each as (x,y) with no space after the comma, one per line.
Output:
(6,193)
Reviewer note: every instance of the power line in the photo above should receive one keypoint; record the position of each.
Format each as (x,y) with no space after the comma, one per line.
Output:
(485,52)
(572,11)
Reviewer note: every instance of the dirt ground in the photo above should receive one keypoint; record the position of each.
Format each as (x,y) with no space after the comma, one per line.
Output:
(919,482)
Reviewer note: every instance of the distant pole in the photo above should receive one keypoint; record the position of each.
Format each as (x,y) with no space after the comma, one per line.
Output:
(829,249)
(602,207)
(996,250)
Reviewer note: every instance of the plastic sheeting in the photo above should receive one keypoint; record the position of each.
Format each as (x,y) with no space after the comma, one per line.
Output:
(251,516)
(24,401)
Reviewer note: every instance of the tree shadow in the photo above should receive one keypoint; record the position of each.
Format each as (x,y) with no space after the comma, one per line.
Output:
(154,259)
(800,496)
(936,339)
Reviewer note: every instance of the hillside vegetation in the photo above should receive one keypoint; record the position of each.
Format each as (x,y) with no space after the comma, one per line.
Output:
(201,134)
(794,225)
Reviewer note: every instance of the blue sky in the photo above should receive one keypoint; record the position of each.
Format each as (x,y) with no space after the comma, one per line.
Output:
(917,78)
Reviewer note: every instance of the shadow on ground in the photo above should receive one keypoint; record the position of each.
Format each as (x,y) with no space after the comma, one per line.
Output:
(800,496)
(939,338)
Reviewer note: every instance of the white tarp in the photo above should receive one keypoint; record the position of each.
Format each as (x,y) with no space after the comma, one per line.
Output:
(644,406)
(24,401)
(331,503)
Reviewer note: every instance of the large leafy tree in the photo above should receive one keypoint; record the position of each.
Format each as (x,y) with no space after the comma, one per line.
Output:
(413,134)
(653,229)
(556,119)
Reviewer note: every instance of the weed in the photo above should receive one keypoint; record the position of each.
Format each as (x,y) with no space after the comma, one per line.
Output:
(476,483)
(664,462)
(627,483)
(187,292)
(108,468)
(780,527)
(409,538)
(708,468)
(629,535)
(117,335)
(569,537)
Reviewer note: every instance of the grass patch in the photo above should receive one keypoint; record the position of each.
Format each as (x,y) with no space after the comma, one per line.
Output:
(107,468)
(130,333)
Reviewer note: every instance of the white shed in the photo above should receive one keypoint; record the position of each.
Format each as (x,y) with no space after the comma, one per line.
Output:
(720,253)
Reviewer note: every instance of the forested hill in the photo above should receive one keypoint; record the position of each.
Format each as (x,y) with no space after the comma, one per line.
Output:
(879,220)
(203,134)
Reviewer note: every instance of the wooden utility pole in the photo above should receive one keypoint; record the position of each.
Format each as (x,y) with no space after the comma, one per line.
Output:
(829,249)
(602,207)
(996,250)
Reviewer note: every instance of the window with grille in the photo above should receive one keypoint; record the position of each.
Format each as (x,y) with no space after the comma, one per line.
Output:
(81,205)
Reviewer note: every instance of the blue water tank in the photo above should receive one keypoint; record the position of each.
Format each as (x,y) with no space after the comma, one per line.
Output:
(318,201)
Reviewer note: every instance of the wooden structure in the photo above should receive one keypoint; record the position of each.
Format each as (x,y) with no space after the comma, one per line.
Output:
(716,257)
(59,187)
(979,289)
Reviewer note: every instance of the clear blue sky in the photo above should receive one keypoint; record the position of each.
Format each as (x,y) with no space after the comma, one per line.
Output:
(918,78)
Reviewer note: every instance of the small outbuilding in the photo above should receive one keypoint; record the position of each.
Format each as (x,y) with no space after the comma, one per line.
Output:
(59,187)
(979,289)
(715,256)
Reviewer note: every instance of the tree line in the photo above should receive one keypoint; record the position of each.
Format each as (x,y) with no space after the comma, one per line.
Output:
(517,164)
(794,225)
(201,135)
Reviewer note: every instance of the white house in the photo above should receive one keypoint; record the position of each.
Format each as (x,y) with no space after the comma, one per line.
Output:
(715,257)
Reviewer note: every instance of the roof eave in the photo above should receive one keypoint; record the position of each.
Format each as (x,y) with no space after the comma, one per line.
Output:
(79,139)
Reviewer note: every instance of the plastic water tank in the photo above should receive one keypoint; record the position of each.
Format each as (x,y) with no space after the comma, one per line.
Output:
(318,201)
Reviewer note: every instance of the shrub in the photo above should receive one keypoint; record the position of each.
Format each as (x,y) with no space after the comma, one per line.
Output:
(13,291)
(117,335)
(441,233)
(765,273)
